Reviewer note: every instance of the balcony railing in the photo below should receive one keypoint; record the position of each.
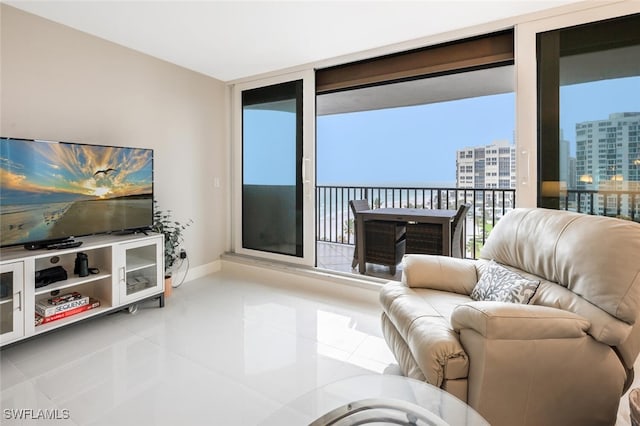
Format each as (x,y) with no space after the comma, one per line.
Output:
(335,221)
(622,204)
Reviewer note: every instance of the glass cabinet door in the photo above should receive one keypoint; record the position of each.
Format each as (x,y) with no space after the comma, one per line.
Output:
(11,302)
(140,277)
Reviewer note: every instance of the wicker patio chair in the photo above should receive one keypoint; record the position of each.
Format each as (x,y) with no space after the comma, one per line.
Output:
(426,238)
(384,241)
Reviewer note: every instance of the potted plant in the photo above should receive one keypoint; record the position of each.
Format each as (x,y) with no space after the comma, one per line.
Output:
(163,223)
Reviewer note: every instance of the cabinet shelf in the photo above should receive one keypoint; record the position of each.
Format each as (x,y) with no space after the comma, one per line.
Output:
(71,282)
(68,320)
(6,300)
(135,263)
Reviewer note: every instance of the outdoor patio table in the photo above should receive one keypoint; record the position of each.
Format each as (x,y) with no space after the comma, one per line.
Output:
(438,216)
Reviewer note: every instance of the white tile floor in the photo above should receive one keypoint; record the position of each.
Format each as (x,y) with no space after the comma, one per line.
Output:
(225,350)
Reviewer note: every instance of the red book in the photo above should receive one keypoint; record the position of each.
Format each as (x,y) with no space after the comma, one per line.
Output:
(93,303)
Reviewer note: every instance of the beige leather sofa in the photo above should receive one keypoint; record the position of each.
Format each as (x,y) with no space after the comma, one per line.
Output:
(565,358)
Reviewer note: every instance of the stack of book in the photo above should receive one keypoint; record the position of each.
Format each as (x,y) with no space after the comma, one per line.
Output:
(63,306)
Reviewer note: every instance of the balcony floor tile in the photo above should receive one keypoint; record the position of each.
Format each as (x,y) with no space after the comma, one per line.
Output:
(338,257)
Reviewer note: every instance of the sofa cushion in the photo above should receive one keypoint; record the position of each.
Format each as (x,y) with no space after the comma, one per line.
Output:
(499,284)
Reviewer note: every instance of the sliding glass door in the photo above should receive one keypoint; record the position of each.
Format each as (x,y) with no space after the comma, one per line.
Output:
(589,103)
(274,140)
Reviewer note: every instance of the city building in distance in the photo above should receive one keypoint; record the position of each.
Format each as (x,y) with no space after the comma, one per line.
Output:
(607,152)
(608,161)
(487,166)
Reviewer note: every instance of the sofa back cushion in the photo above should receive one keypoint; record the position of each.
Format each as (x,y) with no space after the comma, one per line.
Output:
(594,257)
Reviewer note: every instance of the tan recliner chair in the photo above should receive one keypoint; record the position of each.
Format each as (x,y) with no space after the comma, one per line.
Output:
(565,358)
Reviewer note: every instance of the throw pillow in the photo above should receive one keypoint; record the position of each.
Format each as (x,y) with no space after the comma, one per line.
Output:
(502,285)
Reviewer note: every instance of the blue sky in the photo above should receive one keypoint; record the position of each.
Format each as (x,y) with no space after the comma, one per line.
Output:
(268,160)
(413,146)
(417,145)
(595,101)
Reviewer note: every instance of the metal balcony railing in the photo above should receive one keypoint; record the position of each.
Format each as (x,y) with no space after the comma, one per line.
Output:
(621,204)
(335,221)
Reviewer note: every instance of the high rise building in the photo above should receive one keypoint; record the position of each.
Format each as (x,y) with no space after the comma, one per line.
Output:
(488,166)
(566,163)
(607,152)
(608,160)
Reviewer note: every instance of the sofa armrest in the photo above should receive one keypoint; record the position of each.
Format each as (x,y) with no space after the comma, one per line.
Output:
(510,321)
(439,273)
(536,365)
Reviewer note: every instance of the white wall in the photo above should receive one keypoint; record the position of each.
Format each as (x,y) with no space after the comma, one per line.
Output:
(58,83)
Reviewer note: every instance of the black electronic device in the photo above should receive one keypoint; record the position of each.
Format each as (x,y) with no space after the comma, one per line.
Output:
(47,276)
(64,245)
(81,267)
(57,244)
(38,245)
(57,190)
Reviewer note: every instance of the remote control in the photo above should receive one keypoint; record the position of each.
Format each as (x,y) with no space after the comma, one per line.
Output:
(68,244)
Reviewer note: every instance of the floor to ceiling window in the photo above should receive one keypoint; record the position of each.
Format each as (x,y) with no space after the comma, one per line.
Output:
(424,131)
(409,134)
(589,104)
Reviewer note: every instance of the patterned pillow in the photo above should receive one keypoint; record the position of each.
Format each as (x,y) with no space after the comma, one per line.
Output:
(502,285)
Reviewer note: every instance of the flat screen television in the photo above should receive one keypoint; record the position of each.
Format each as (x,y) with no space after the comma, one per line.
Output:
(53,191)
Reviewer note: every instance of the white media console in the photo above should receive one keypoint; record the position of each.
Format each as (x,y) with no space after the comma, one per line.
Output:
(124,270)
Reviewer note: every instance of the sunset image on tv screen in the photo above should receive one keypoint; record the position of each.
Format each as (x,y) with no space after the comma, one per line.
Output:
(51,190)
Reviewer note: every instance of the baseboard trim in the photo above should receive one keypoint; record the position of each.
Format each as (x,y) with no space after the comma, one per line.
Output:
(198,271)
(357,289)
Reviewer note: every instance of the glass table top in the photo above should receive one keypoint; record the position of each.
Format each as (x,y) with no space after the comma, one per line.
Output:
(376,400)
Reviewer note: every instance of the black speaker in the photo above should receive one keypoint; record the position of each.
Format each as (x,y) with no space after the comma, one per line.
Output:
(81,267)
